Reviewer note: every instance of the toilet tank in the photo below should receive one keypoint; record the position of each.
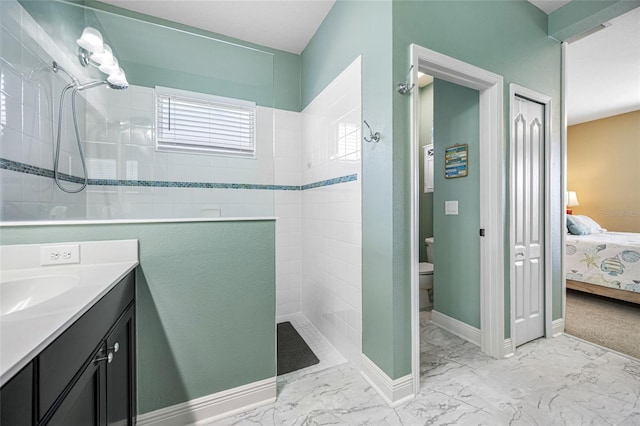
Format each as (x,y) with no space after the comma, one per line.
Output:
(429,243)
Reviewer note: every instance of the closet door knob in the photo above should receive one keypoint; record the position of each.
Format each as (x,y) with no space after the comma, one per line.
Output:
(115,347)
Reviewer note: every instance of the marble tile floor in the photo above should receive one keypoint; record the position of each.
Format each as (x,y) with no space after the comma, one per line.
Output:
(560,381)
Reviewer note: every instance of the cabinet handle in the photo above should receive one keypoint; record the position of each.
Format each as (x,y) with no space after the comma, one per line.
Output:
(107,358)
(115,347)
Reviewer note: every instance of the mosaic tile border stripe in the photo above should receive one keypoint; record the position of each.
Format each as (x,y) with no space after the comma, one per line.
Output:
(334,181)
(16,166)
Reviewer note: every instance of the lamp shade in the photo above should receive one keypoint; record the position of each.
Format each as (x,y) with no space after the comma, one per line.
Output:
(106,57)
(91,40)
(110,67)
(572,199)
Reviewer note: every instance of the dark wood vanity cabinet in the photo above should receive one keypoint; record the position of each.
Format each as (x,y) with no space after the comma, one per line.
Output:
(16,399)
(103,394)
(86,376)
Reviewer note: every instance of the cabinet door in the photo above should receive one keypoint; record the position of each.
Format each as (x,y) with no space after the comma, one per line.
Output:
(16,397)
(121,372)
(85,403)
(62,359)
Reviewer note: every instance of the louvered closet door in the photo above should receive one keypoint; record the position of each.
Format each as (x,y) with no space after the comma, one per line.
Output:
(528,122)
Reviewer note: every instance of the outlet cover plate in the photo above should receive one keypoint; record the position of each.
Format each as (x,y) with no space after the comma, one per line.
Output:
(451,207)
(60,254)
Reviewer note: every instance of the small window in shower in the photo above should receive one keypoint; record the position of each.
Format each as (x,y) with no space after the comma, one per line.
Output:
(200,123)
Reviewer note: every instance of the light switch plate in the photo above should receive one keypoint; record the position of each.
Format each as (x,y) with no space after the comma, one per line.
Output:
(451,207)
(60,254)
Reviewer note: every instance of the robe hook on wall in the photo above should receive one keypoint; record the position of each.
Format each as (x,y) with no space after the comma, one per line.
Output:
(373,137)
(404,88)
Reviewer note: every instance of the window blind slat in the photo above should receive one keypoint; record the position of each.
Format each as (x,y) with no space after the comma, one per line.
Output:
(202,124)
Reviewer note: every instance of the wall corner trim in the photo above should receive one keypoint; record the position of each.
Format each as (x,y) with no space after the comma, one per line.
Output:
(457,327)
(394,392)
(557,327)
(213,407)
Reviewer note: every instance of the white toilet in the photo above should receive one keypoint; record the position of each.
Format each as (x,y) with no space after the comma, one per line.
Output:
(426,278)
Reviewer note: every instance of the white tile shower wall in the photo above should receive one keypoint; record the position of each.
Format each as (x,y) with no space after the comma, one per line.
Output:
(288,147)
(120,145)
(29,94)
(331,215)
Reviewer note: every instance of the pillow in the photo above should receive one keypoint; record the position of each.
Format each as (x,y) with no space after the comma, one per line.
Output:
(583,225)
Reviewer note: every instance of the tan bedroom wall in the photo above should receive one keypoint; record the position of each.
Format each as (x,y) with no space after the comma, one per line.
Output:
(603,167)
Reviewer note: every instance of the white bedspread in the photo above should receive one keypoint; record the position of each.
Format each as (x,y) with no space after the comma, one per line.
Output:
(609,259)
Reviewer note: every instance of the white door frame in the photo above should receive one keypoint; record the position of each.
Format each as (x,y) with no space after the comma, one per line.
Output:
(492,196)
(545,100)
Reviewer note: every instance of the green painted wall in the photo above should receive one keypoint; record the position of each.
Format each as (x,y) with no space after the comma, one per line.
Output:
(158,57)
(205,313)
(456,275)
(284,70)
(426,200)
(354,28)
(175,55)
(507,38)
(579,16)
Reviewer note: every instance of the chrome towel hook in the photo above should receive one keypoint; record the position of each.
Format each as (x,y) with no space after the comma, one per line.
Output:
(373,137)
(404,88)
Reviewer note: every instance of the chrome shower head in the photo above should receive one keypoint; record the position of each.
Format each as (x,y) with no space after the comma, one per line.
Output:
(117,85)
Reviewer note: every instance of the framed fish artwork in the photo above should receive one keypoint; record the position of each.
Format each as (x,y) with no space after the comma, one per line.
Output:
(455,161)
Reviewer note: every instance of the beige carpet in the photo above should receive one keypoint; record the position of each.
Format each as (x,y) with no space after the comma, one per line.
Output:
(606,322)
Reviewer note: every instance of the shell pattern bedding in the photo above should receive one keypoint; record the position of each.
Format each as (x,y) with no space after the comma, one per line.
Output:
(609,259)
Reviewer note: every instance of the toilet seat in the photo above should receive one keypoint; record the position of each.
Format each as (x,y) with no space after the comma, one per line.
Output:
(426,268)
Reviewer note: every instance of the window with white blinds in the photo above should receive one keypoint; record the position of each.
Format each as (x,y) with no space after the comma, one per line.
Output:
(197,122)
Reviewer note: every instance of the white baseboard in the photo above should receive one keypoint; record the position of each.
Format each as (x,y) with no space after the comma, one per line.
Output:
(457,327)
(557,327)
(287,317)
(394,392)
(508,348)
(213,407)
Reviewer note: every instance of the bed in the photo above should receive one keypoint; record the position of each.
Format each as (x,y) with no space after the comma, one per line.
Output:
(604,263)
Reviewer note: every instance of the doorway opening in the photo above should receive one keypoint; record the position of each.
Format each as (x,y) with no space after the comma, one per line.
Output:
(490,88)
(602,298)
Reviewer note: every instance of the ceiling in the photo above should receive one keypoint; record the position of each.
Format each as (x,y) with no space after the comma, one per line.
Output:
(603,68)
(280,24)
(603,71)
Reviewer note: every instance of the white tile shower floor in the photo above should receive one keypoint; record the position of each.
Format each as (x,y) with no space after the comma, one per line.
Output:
(327,354)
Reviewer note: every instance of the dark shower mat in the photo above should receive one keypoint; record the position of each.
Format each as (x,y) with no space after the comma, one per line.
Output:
(293,352)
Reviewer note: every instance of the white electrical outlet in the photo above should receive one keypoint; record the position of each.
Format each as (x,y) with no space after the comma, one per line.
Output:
(60,254)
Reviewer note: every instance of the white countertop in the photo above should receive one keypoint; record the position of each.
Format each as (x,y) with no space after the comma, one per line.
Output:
(24,334)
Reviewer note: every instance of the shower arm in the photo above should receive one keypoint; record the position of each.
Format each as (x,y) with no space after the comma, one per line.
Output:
(80,88)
